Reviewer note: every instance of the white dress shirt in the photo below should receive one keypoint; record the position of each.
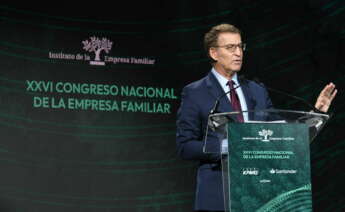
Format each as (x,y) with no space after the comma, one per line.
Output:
(223,83)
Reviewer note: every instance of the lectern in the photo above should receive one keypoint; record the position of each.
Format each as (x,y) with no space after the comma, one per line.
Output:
(265,160)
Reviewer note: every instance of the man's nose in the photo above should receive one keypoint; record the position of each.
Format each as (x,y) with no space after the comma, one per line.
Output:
(238,51)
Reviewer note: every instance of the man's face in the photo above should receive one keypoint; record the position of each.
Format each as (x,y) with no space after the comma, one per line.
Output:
(227,53)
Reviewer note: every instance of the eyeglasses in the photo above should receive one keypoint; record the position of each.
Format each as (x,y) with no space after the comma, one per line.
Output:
(233,47)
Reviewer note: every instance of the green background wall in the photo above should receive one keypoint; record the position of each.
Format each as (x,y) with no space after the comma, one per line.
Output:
(64,159)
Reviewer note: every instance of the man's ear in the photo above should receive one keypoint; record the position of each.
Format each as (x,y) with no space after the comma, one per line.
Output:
(213,53)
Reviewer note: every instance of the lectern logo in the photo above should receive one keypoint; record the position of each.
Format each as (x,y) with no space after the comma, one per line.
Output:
(97,45)
(283,171)
(250,171)
(265,133)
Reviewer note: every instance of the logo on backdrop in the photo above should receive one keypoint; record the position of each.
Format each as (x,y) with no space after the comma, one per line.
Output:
(97,46)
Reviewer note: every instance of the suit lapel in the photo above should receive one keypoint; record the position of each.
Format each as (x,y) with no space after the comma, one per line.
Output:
(216,90)
(248,97)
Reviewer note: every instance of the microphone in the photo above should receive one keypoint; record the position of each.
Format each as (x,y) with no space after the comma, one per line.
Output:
(315,123)
(216,104)
(215,122)
(287,94)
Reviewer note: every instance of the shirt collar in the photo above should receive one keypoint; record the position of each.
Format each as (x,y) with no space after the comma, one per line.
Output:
(222,80)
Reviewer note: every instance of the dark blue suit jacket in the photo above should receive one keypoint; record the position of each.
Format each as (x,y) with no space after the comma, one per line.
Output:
(198,98)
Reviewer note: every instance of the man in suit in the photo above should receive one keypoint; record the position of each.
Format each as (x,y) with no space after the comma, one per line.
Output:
(225,49)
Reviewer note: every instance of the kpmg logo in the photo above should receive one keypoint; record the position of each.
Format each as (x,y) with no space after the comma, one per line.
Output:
(250,171)
(97,45)
(265,133)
